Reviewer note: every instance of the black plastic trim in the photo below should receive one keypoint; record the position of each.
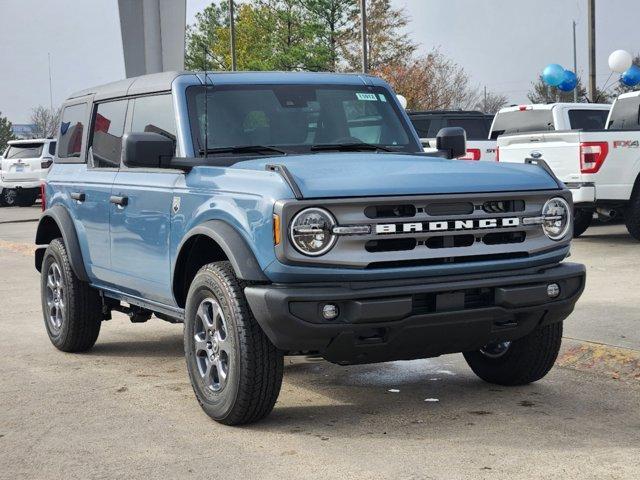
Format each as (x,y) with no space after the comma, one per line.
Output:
(234,246)
(63,219)
(286,175)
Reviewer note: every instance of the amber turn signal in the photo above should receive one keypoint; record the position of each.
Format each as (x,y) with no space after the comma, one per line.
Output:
(276,229)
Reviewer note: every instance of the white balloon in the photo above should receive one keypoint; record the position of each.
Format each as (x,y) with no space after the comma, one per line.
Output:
(620,60)
(403,100)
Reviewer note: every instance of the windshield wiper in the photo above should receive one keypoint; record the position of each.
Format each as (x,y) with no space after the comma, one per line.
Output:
(261,149)
(353,147)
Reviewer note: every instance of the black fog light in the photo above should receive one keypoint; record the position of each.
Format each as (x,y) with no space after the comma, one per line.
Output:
(330,311)
(553,290)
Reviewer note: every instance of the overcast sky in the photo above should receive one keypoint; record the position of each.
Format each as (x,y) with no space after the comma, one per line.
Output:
(502,44)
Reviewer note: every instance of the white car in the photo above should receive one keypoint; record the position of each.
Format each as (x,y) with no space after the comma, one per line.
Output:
(23,166)
(601,167)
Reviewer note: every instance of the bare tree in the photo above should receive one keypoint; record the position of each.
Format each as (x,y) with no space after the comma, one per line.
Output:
(431,82)
(46,121)
(491,102)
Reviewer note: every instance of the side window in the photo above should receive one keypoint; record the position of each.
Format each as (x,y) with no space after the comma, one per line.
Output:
(107,131)
(154,114)
(52,149)
(72,130)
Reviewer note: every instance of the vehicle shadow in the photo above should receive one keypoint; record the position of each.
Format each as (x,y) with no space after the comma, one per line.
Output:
(334,401)
(166,345)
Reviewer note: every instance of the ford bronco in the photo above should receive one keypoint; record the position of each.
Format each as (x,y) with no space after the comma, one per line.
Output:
(296,214)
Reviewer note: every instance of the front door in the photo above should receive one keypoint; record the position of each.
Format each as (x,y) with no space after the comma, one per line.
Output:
(141,211)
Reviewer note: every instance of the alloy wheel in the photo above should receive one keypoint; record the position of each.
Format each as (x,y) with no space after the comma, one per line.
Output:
(212,345)
(55,297)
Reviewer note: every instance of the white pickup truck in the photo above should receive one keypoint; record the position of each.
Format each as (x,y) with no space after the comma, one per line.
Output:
(600,166)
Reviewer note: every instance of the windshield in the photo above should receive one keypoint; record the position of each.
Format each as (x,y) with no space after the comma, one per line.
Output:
(295,119)
(24,150)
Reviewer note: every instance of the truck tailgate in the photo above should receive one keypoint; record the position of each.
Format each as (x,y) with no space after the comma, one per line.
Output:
(561,151)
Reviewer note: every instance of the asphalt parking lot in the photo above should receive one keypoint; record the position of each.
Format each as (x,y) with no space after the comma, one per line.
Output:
(126,409)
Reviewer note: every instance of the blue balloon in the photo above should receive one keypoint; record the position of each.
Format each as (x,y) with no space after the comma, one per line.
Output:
(553,74)
(631,76)
(570,81)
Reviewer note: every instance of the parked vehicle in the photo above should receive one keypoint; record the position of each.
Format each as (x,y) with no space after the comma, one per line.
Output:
(600,166)
(23,166)
(549,116)
(295,213)
(476,125)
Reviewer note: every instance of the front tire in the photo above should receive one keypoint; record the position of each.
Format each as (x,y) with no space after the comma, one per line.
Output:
(71,308)
(521,361)
(581,221)
(235,371)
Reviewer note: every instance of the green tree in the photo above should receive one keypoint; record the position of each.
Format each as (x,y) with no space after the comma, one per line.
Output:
(6,133)
(387,41)
(334,22)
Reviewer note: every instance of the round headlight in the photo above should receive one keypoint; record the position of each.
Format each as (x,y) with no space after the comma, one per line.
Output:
(311,231)
(556,218)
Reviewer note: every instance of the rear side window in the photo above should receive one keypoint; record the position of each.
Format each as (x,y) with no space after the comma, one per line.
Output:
(522,122)
(476,127)
(24,150)
(52,148)
(588,119)
(154,114)
(625,114)
(71,131)
(108,128)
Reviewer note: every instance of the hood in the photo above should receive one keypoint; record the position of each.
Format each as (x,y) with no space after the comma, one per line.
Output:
(325,175)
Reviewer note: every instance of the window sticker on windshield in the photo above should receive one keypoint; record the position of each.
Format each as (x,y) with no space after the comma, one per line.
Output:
(366,97)
(382,97)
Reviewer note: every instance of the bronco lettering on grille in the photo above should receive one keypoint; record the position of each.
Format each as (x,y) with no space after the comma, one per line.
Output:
(447,225)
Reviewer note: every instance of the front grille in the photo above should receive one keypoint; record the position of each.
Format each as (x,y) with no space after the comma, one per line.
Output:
(427,230)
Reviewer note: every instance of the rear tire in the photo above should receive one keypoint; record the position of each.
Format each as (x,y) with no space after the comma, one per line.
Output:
(526,360)
(235,371)
(72,310)
(581,221)
(632,214)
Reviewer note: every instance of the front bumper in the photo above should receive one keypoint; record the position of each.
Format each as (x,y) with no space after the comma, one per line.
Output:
(415,318)
(582,193)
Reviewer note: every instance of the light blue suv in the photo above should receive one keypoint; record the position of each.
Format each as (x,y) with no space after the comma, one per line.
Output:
(294,214)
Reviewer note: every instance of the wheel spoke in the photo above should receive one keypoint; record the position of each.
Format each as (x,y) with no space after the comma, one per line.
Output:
(200,345)
(221,370)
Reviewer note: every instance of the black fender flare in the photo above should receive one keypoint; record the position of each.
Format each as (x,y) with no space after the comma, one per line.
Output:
(234,246)
(64,222)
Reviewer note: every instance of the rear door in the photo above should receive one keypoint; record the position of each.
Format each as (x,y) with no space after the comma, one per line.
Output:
(91,196)
(140,222)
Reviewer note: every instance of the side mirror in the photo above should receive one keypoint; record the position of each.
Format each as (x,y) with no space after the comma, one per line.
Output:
(452,142)
(147,149)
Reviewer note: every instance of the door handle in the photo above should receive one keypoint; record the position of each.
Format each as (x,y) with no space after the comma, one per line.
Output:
(119,200)
(78,196)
